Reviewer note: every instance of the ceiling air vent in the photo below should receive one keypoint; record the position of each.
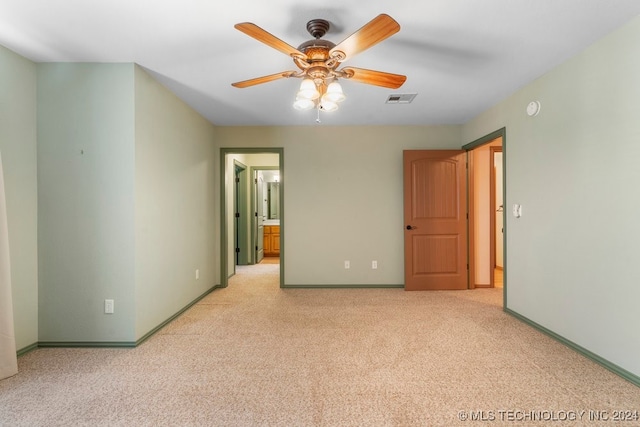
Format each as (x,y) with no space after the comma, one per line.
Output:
(401,98)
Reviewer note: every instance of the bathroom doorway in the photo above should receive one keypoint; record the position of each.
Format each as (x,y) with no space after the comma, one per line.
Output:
(252,215)
(265,199)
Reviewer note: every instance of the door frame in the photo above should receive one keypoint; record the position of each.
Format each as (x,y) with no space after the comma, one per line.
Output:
(242,213)
(492,212)
(254,208)
(500,133)
(224,218)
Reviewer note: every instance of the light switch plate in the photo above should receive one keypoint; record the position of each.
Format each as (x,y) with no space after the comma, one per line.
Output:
(108,306)
(517,210)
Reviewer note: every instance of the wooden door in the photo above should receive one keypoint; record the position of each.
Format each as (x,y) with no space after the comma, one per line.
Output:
(435,219)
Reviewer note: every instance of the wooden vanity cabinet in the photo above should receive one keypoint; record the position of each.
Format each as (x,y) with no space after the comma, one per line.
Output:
(271,243)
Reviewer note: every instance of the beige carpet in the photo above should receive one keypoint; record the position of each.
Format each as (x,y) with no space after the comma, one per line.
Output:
(253,354)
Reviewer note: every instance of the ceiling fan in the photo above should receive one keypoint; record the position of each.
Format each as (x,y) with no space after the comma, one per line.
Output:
(318,61)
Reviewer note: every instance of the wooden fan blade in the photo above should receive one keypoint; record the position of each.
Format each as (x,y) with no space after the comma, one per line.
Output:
(263,79)
(376,78)
(269,39)
(378,29)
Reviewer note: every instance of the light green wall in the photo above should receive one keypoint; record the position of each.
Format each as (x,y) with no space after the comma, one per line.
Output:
(127,203)
(572,256)
(343,196)
(18,148)
(177,203)
(86,201)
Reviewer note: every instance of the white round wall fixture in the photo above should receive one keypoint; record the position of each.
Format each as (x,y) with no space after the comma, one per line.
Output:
(533,108)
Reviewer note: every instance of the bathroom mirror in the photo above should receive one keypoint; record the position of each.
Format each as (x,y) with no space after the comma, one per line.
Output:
(270,185)
(273,200)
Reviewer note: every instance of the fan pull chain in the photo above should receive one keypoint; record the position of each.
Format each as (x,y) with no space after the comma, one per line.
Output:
(318,117)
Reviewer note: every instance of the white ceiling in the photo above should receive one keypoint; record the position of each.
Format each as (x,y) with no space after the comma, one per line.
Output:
(460,56)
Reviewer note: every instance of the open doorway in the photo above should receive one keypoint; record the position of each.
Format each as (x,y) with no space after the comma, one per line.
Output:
(265,197)
(496,212)
(252,196)
(486,211)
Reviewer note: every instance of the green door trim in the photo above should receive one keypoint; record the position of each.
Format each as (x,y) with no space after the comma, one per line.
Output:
(224,238)
(241,223)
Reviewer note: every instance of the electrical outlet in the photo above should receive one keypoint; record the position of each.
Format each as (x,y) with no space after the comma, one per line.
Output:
(374,265)
(347,265)
(108,306)
(197,274)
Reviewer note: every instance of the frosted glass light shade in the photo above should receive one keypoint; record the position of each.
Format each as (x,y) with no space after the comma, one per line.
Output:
(308,90)
(334,92)
(328,105)
(303,104)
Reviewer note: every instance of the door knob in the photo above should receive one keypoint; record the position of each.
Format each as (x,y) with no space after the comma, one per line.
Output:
(409,227)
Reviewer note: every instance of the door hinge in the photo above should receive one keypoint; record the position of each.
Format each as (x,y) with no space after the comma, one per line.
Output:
(237,179)
(237,250)
(237,214)
(256,214)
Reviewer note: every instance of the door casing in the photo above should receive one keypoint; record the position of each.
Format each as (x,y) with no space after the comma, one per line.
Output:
(492,211)
(224,217)
(500,133)
(242,214)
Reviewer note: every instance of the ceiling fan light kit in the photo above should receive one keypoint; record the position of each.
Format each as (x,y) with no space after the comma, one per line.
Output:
(308,95)
(308,90)
(334,92)
(303,104)
(318,61)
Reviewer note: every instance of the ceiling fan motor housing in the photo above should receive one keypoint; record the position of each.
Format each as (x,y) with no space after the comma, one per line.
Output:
(318,27)
(316,64)
(317,51)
